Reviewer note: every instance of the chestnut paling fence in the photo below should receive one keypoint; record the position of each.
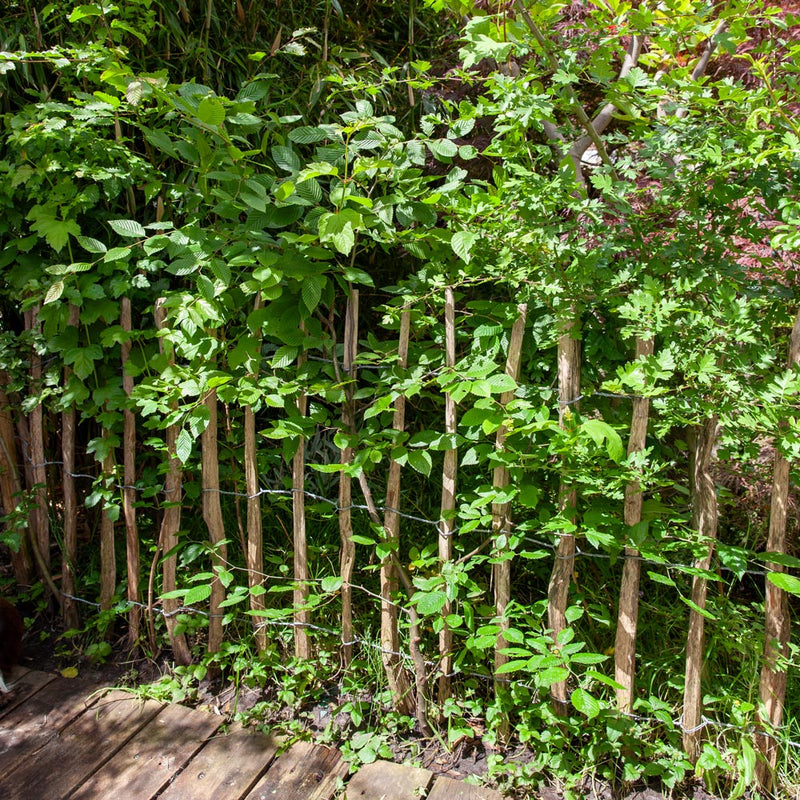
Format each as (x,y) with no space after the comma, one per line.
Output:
(420,666)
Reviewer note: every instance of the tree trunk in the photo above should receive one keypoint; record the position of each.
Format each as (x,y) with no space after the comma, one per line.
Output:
(347,557)
(704,521)
(569,387)
(628,617)
(448,506)
(772,688)
(171,521)
(396,674)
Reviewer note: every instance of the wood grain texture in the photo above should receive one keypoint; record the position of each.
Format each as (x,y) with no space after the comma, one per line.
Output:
(144,765)
(66,761)
(449,789)
(225,769)
(384,780)
(304,772)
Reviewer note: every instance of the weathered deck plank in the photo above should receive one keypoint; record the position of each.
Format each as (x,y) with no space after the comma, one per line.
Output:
(449,789)
(31,724)
(225,769)
(59,740)
(304,772)
(389,781)
(23,684)
(69,759)
(147,762)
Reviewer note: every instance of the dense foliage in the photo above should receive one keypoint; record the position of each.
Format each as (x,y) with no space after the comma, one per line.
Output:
(363,241)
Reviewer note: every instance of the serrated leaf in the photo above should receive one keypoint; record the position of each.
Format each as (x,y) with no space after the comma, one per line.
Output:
(340,229)
(286,158)
(462,243)
(205,287)
(197,594)
(116,254)
(331,583)
(127,227)
(183,446)
(547,677)
(311,291)
(585,703)
(211,111)
(54,292)
(421,461)
(91,245)
(307,134)
(786,582)
(430,603)
(284,356)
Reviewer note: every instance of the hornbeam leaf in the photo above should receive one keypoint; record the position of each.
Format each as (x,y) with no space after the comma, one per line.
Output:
(127,227)
(462,243)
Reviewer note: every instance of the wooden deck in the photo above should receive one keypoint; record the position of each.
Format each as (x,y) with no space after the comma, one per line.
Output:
(61,739)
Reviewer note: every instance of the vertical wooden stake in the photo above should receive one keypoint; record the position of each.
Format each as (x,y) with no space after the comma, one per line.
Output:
(396,674)
(129,483)
(704,521)
(501,512)
(108,561)
(171,521)
(10,484)
(347,557)
(448,506)
(70,557)
(777,629)
(212,514)
(254,557)
(40,522)
(569,388)
(302,645)
(628,617)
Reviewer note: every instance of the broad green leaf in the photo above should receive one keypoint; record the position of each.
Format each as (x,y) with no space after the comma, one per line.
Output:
(512,666)
(91,245)
(311,291)
(84,11)
(585,703)
(197,594)
(211,111)
(284,356)
(786,582)
(54,292)
(183,446)
(547,677)
(331,583)
(429,603)
(340,229)
(600,431)
(128,227)
(421,461)
(286,158)
(462,243)
(306,134)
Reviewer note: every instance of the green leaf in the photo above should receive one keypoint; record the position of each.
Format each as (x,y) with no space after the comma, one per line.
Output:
(128,227)
(311,291)
(197,594)
(284,356)
(430,603)
(54,292)
(306,134)
(786,582)
(91,245)
(340,229)
(183,446)
(462,243)
(286,159)
(421,461)
(82,12)
(547,677)
(211,111)
(585,703)
(331,583)
(514,665)
(600,431)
